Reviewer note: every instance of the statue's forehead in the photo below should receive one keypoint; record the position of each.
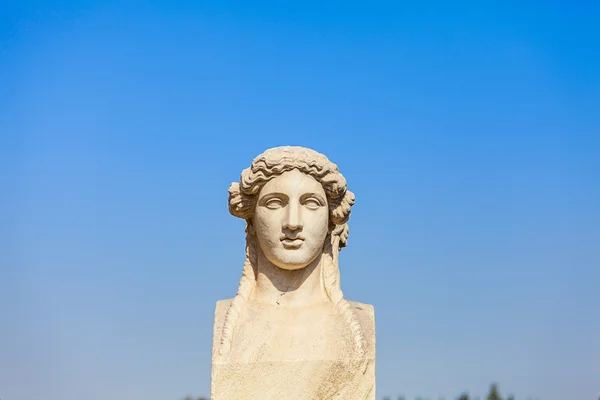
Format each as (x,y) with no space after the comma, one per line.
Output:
(293,181)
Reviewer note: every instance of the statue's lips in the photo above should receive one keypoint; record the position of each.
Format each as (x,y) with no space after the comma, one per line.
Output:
(290,243)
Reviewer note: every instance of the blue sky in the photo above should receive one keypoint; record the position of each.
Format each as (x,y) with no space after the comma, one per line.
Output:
(469,132)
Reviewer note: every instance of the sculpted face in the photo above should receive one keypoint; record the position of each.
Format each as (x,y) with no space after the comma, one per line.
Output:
(291,219)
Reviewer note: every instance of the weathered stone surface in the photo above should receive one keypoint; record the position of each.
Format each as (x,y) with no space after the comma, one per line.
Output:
(289,333)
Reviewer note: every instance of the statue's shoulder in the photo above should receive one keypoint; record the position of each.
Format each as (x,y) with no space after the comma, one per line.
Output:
(220,312)
(366,317)
(363,311)
(222,306)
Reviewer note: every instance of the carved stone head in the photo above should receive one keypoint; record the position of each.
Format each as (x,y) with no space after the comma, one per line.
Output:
(292,199)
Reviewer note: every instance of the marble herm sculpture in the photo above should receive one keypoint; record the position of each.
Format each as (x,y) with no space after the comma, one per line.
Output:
(289,333)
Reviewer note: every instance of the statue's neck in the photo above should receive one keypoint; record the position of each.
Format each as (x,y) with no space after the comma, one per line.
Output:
(288,289)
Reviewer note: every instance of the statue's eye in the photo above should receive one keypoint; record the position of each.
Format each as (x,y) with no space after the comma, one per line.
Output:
(274,203)
(312,203)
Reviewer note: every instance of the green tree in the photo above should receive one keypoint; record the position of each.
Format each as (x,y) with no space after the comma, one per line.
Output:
(464,396)
(494,394)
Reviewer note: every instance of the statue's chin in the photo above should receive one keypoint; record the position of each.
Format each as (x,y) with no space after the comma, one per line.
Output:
(291,267)
(291,260)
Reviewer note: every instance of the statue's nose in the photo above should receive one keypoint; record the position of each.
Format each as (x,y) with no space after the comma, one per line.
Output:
(293,221)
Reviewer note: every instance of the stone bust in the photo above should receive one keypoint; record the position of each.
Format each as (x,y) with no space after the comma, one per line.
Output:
(289,333)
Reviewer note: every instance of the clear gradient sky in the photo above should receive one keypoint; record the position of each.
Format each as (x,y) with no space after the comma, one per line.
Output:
(469,133)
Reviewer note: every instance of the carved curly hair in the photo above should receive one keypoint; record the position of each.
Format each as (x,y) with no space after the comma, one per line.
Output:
(242,201)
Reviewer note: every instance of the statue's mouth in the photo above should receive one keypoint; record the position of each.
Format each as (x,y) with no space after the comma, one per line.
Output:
(292,243)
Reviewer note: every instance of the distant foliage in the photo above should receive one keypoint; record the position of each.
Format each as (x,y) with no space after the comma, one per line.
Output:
(493,394)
